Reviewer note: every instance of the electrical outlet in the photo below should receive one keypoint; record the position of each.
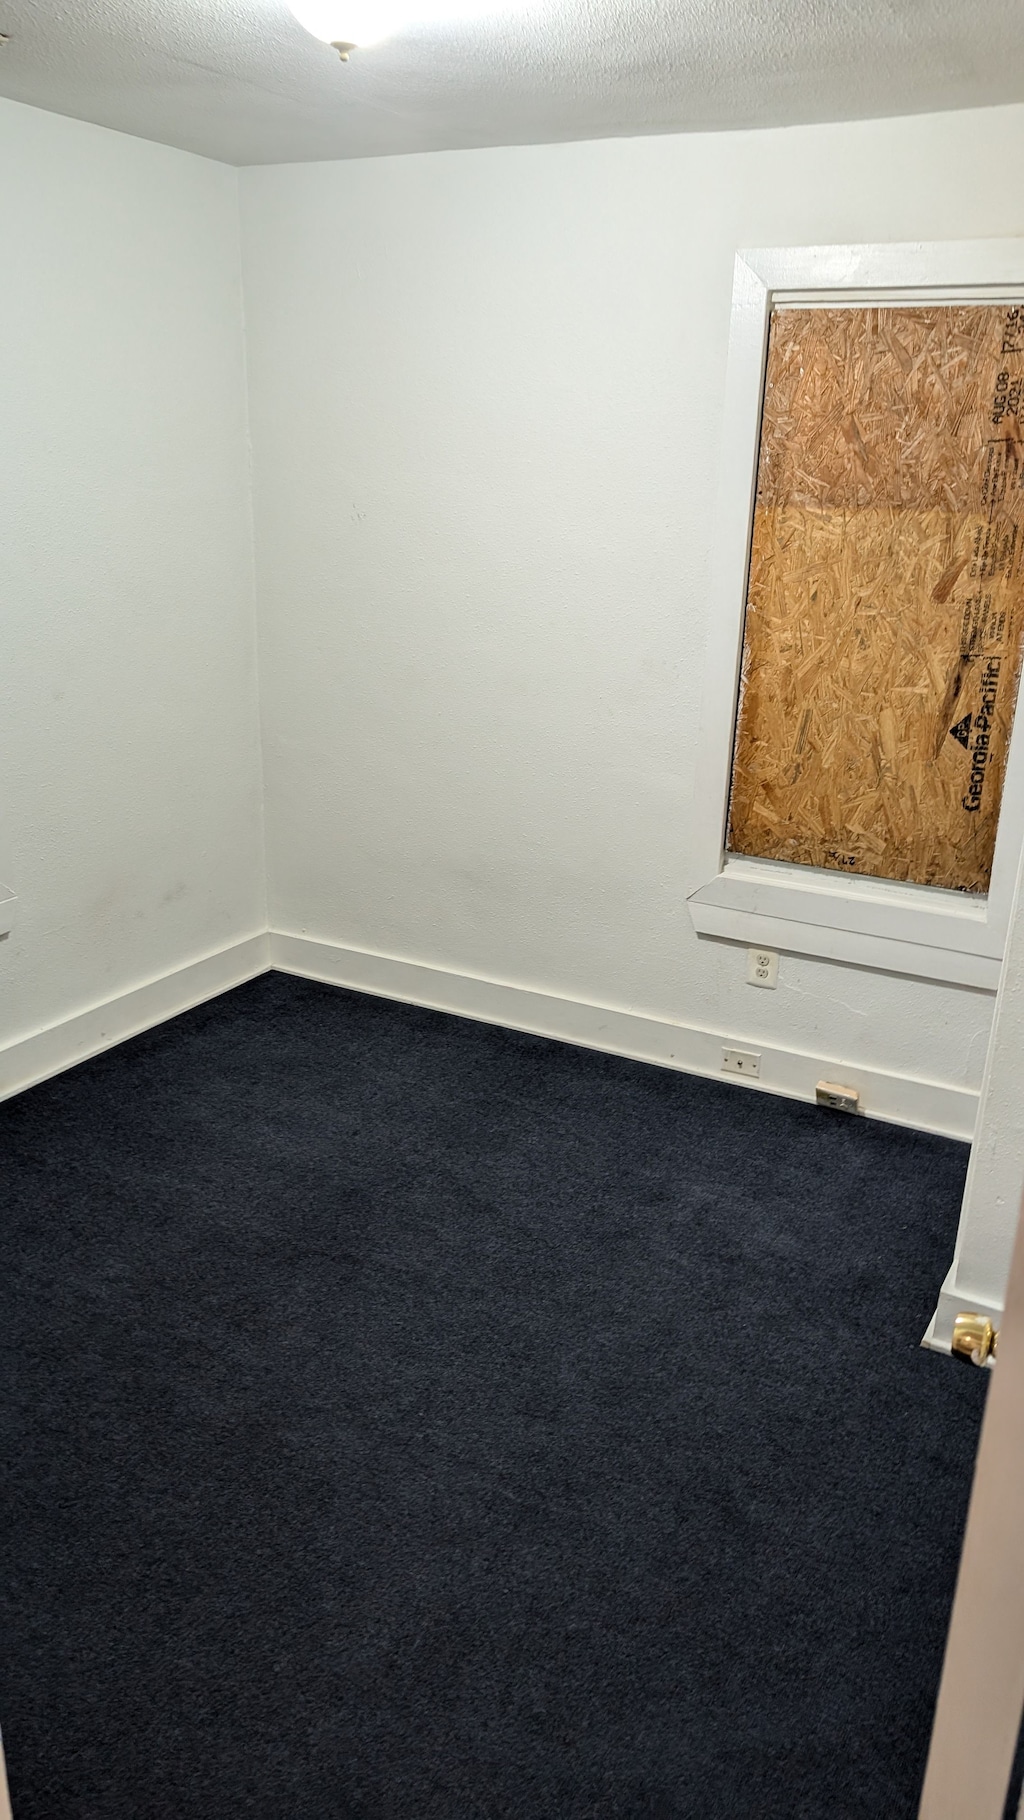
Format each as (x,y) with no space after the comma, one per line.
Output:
(762,967)
(741,1061)
(839,1098)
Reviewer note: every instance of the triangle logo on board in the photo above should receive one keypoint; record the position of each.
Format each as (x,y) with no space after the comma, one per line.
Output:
(962,731)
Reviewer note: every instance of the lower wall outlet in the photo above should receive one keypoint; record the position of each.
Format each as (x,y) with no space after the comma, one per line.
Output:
(841,1099)
(741,1061)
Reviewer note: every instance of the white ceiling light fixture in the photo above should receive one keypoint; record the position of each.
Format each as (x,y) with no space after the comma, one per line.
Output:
(348,25)
(344,23)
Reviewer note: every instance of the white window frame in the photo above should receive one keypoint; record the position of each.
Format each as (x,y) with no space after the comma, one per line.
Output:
(900,928)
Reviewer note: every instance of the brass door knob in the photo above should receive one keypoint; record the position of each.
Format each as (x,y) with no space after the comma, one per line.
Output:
(975,1339)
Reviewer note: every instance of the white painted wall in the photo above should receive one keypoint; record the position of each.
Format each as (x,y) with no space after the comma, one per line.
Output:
(485,396)
(129,765)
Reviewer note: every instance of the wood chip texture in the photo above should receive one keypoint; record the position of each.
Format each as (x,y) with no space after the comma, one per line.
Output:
(885,609)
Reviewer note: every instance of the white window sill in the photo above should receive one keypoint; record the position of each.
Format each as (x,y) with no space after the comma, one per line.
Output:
(912,929)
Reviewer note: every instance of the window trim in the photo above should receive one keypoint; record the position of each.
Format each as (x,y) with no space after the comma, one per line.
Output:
(920,930)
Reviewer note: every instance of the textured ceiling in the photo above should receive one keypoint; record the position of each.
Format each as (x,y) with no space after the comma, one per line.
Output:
(241,80)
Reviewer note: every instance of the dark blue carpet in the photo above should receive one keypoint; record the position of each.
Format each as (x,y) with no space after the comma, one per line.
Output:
(411,1420)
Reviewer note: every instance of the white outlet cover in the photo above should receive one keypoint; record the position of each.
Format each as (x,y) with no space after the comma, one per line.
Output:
(762,967)
(741,1061)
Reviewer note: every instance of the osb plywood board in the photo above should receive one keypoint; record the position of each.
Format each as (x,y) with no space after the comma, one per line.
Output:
(885,609)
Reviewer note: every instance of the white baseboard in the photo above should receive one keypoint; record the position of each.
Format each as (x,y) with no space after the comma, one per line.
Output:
(899,1098)
(42,1053)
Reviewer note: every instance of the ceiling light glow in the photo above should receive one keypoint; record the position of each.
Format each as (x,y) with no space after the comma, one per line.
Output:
(344,21)
(365,22)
